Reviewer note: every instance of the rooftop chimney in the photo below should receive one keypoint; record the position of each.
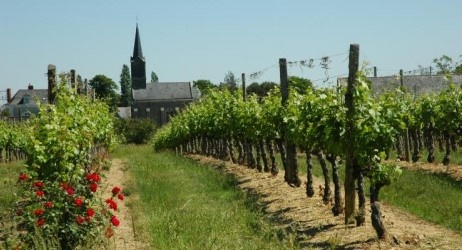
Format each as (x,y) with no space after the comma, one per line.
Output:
(8,95)
(30,87)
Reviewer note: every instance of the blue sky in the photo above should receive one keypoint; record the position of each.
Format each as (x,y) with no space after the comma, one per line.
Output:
(187,40)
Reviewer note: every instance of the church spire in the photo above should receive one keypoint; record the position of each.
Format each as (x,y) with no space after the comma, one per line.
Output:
(137,51)
(138,64)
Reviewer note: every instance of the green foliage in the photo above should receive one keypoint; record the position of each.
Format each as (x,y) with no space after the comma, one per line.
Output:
(299,84)
(204,86)
(65,149)
(137,131)
(444,64)
(105,89)
(261,90)
(126,98)
(154,77)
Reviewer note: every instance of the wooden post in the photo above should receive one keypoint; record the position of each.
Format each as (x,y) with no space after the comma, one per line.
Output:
(291,168)
(350,192)
(73,78)
(51,83)
(244,90)
(407,150)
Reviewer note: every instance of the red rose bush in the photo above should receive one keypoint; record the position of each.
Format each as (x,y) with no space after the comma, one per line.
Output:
(61,200)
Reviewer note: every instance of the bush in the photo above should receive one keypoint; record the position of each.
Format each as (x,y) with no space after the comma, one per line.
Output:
(137,131)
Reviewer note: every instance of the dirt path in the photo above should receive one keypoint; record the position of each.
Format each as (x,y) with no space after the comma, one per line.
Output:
(124,234)
(452,170)
(315,225)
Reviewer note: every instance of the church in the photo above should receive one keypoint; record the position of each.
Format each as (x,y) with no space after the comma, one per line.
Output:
(156,100)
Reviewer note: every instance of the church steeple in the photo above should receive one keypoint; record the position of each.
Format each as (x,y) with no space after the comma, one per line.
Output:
(138,64)
(137,51)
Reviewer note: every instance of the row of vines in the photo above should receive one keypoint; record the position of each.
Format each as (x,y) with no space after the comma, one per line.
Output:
(252,130)
(60,201)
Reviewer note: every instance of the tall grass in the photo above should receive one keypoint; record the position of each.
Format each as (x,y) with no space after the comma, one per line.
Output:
(184,205)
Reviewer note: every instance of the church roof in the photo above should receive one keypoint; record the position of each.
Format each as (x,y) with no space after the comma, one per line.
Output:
(137,51)
(418,85)
(165,91)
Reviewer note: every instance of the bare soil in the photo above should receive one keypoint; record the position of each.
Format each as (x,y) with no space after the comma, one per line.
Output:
(309,219)
(452,170)
(124,234)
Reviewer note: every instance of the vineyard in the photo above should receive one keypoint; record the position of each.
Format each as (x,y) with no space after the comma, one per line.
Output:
(356,138)
(340,125)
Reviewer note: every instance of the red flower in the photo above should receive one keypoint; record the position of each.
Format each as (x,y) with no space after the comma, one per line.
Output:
(40,222)
(39,193)
(38,184)
(88,218)
(115,221)
(112,204)
(23,176)
(48,204)
(70,190)
(79,219)
(90,212)
(93,177)
(78,202)
(38,212)
(115,190)
(93,187)
(120,196)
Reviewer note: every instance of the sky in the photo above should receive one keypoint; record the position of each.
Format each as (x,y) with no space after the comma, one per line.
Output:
(188,40)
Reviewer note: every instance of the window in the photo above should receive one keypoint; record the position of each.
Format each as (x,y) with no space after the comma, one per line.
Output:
(26,99)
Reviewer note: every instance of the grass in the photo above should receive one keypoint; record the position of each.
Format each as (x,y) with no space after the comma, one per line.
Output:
(433,197)
(183,205)
(9,173)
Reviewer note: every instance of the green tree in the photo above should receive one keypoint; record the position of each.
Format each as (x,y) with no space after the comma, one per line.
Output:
(154,77)
(125,87)
(229,82)
(105,89)
(444,64)
(458,69)
(204,86)
(300,84)
(262,89)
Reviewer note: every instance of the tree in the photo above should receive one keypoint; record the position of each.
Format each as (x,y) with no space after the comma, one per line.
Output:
(262,89)
(300,84)
(125,87)
(154,77)
(204,86)
(458,69)
(444,64)
(105,89)
(230,82)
